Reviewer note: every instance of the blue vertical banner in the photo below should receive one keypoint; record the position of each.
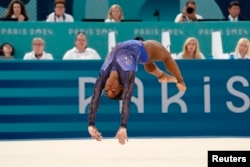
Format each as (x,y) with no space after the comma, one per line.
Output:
(50,99)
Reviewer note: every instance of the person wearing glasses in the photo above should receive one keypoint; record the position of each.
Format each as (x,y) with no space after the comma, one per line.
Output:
(59,14)
(38,52)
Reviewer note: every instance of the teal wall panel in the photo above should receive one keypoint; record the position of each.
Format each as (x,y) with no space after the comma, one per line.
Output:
(60,37)
(216,102)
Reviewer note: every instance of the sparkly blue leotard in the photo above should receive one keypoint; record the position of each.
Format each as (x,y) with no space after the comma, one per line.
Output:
(124,58)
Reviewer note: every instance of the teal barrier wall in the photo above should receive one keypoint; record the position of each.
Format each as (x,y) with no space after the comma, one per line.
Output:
(59,37)
(49,99)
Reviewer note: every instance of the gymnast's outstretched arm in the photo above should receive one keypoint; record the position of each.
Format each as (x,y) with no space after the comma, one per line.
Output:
(129,81)
(95,100)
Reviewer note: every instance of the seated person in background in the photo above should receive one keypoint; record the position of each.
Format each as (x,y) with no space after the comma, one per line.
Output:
(242,50)
(7,51)
(234,12)
(191,50)
(188,13)
(38,52)
(81,51)
(139,38)
(59,14)
(16,10)
(115,14)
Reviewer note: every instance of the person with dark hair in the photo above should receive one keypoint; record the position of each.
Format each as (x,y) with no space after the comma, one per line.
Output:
(59,14)
(7,51)
(188,13)
(139,38)
(16,10)
(117,78)
(234,11)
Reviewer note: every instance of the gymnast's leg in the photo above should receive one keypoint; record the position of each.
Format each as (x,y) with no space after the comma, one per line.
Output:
(152,68)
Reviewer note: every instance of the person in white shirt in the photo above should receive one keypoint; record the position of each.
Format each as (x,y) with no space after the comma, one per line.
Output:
(191,50)
(59,14)
(81,51)
(38,52)
(242,50)
(188,13)
(115,14)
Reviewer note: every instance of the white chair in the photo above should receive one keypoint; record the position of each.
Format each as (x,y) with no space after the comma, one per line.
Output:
(111,40)
(217,48)
(166,42)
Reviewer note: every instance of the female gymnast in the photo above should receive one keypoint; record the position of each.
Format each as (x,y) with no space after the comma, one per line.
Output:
(117,76)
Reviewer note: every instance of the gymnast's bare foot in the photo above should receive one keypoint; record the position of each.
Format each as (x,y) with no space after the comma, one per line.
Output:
(181,86)
(166,78)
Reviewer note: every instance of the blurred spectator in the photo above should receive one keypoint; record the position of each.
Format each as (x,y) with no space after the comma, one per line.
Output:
(81,51)
(38,52)
(59,14)
(234,12)
(188,13)
(191,50)
(16,10)
(242,49)
(115,14)
(139,38)
(7,51)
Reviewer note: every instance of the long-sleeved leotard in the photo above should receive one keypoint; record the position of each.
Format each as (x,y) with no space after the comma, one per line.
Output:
(124,58)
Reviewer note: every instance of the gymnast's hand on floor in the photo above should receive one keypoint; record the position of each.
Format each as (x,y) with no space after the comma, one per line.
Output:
(94,133)
(121,135)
